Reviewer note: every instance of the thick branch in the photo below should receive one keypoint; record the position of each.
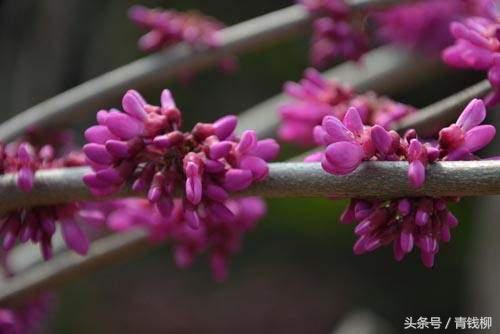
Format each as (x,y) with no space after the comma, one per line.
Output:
(372,179)
(242,37)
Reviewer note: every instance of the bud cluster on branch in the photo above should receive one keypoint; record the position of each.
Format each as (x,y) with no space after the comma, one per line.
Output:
(201,190)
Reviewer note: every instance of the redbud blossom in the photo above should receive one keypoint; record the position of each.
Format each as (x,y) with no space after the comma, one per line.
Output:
(188,177)
(424,25)
(169,27)
(315,97)
(477,46)
(27,318)
(421,222)
(220,239)
(38,224)
(334,36)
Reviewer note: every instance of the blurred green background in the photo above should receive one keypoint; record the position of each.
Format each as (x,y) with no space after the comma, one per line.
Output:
(296,272)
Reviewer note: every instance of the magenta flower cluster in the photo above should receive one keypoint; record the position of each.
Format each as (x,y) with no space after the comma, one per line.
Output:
(27,318)
(424,25)
(334,35)
(420,25)
(314,97)
(220,238)
(405,222)
(38,224)
(477,47)
(193,180)
(168,27)
(144,145)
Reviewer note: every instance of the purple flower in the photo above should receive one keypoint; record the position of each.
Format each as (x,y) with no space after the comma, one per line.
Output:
(28,317)
(378,109)
(38,224)
(459,140)
(144,144)
(333,39)
(406,223)
(219,233)
(349,142)
(169,27)
(188,178)
(424,25)
(477,46)
(315,97)
(333,35)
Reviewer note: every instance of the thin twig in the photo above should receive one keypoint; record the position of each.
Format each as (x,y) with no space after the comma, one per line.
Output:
(243,37)
(388,69)
(427,121)
(430,119)
(68,265)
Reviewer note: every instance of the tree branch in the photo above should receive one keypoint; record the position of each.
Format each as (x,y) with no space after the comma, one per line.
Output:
(243,37)
(430,119)
(372,179)
(388,69)
(67,265)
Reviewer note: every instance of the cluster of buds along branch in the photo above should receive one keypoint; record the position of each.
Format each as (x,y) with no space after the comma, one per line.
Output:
(38,224)
(188,176)
(314,97)
(477,46)
(26,318)
(191,179)
(404,222)
(421,25)
(170,27)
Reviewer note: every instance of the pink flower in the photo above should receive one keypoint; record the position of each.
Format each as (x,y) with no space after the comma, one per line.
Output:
(188,178)
(333,35)
(424,25)
(405,223)
(477,46)
(170,27)
(379,110)
(459,140)
(349,142)
(38,224)
(333,39)
(27,318)
(220,238)
(145,145)
(314,98)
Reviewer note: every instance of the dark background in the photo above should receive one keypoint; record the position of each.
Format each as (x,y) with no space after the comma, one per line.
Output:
(297,272)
